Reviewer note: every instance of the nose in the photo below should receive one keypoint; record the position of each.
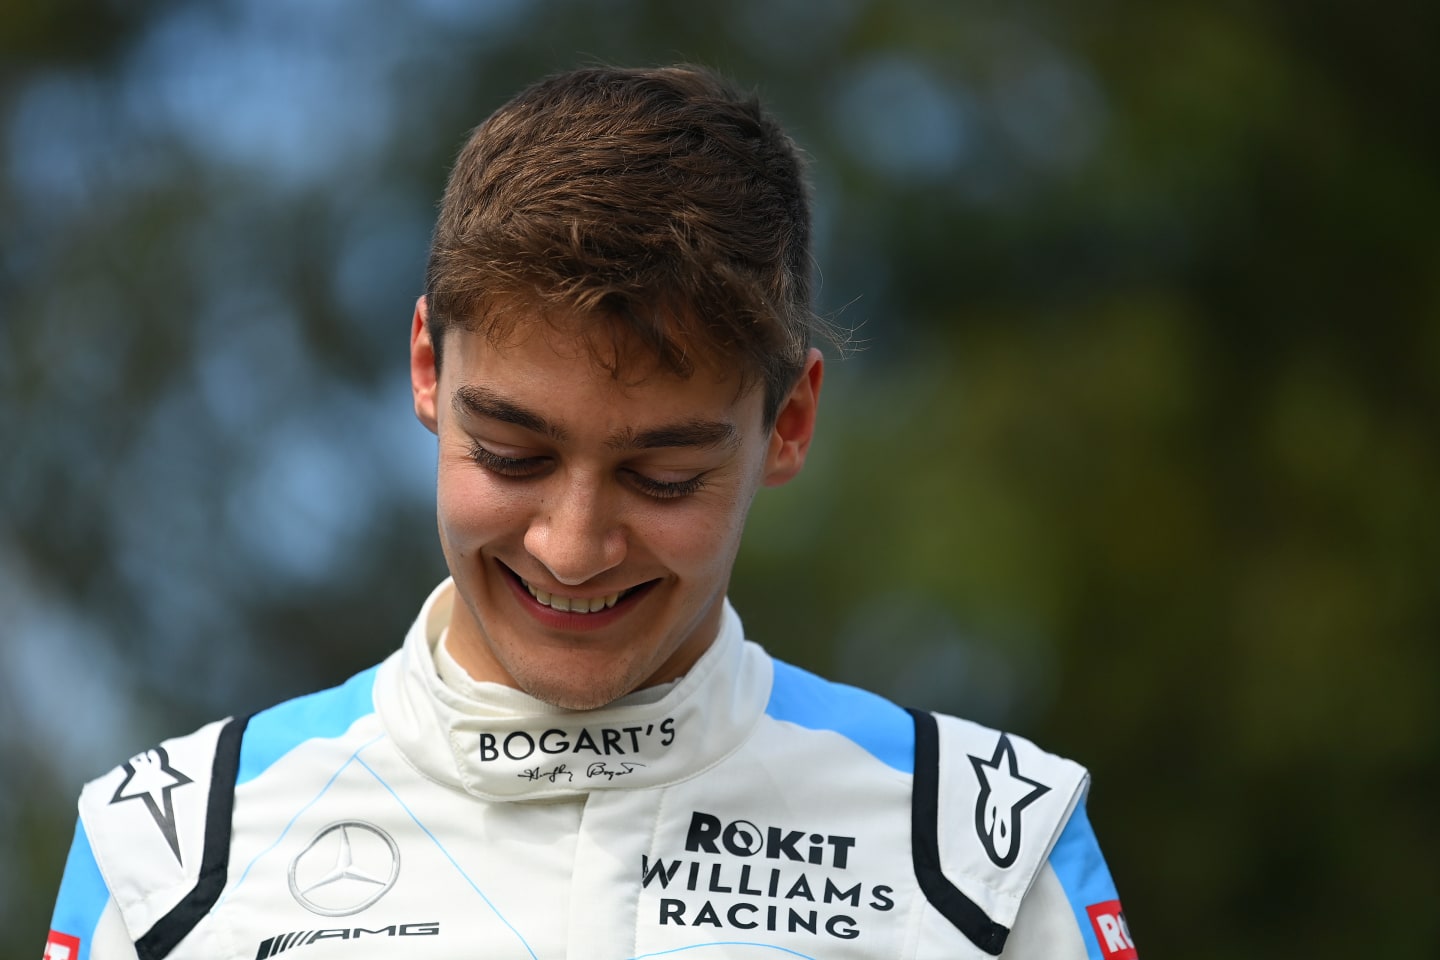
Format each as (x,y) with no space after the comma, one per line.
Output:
(575,533)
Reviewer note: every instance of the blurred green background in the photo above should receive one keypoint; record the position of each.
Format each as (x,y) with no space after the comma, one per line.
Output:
(1139,459)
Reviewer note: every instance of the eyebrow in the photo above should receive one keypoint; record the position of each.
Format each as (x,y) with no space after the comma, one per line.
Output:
(687,433)
(483,402)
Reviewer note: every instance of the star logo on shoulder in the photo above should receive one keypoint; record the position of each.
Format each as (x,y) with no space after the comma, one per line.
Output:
(1003,794)
(149,777)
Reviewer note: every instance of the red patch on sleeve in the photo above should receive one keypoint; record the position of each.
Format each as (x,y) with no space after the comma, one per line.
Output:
(62,946)
(1108,919)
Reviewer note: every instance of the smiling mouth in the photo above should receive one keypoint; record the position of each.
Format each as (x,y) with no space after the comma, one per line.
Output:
(586,605)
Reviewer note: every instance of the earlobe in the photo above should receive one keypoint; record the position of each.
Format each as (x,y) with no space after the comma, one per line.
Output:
(424,375)
(795,423)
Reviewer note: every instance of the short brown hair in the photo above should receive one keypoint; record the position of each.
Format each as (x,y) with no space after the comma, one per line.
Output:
(661,200)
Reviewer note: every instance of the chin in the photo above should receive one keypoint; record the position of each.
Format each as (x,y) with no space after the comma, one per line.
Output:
(576,693)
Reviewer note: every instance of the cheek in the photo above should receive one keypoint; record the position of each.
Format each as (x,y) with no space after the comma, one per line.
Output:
(695,542)
(474,509)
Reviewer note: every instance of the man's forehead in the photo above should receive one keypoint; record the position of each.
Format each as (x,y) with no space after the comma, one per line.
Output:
(621,360)
(666,343)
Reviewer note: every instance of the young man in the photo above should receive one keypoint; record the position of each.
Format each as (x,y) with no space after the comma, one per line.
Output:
(576,753)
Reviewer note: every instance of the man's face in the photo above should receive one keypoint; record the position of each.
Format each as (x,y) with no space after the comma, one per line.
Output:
(591,523)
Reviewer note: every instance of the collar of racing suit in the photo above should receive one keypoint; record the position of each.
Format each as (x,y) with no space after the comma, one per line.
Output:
(553,754)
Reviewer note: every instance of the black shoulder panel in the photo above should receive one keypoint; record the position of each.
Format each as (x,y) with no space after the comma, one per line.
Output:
(170,929)
(959,909)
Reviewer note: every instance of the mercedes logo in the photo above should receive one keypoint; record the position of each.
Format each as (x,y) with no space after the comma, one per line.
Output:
(348,866)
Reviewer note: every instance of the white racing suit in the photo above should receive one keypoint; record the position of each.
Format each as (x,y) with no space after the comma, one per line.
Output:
(752,811)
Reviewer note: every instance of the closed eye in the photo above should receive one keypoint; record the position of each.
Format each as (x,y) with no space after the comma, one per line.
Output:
(524,467)
(666,489)
(506,466)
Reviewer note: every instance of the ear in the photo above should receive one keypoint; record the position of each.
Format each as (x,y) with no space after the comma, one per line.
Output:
(795,423)
(424,374)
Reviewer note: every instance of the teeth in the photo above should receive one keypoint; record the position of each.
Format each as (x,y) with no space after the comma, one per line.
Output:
(573,604)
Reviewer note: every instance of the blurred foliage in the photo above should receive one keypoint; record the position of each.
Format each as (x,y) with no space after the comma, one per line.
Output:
(1138,455)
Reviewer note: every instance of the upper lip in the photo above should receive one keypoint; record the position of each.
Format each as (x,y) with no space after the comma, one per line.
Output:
(570,593)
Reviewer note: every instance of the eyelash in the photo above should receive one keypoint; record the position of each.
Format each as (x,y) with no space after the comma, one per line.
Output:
(520,468)
(661,490)
(517,467)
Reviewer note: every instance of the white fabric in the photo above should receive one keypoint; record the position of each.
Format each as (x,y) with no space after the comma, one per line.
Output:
(691,821)
(549,752)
